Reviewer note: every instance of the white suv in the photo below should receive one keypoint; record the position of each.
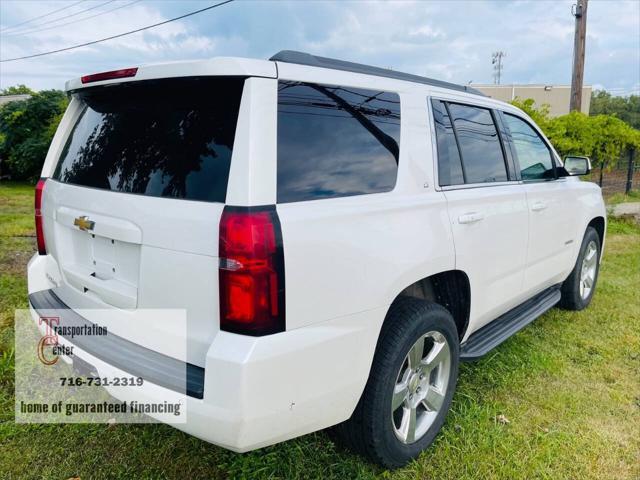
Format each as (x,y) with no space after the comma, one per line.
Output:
(340,235)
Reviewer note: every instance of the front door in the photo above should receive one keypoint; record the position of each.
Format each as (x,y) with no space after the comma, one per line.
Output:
(552,227)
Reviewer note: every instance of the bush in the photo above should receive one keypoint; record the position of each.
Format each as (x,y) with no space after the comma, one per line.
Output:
(26,130)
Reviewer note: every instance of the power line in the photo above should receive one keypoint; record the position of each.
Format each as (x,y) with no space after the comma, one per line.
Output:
(120,34)
(68,16)
(72,22)
(41,16)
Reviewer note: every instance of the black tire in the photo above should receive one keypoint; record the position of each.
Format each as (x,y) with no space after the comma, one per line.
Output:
(370,430)
(571,297)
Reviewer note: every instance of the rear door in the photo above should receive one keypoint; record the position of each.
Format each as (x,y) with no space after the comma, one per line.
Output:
(552,219)
(133,205)
(487,207)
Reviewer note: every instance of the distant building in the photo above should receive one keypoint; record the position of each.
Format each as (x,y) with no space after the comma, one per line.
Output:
(556,96)
(12,98)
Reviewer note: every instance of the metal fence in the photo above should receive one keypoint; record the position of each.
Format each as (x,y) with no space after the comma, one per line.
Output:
(620,177)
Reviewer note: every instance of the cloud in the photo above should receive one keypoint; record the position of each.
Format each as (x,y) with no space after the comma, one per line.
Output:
(448,40)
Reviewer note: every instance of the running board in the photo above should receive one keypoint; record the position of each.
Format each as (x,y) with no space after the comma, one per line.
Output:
(494,333)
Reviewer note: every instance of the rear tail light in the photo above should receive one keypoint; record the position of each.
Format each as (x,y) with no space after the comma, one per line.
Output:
(97,77)
(42,249)
(251,271)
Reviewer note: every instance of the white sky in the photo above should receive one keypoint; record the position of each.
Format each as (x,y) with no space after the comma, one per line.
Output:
(449,40)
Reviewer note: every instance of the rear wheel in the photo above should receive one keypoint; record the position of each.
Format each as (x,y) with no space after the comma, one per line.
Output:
(410,387)
(578,288)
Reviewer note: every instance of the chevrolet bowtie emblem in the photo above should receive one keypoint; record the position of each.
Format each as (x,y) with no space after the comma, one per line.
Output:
(83,223)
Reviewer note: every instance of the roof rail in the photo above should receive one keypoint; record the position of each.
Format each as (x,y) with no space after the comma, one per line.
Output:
(301,58)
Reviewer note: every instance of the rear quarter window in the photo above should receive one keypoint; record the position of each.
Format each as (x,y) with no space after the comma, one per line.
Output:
(335,141)
(163,138)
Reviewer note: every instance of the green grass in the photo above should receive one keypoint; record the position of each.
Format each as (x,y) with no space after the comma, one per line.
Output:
(632,196)
(569,385)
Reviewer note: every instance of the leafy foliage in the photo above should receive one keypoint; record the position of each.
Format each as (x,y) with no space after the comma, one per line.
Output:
(604,138)
(17,90)
(626,109)
(26,129)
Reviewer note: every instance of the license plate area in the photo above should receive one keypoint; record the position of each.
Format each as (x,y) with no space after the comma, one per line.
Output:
(102,262)
(112,259)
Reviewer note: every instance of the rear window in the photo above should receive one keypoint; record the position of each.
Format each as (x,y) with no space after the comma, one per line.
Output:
(335,141)
(162,138)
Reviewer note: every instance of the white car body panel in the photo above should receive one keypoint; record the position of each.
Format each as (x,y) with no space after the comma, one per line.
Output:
(252,178)
(346,259)
(219,66)
(175,244)
(492,249)
(552,233)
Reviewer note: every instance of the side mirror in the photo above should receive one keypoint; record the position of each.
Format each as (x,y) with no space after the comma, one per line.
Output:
(577,165)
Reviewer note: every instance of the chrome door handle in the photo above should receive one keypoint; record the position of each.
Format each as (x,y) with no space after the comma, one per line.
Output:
(472,217)
(538,206)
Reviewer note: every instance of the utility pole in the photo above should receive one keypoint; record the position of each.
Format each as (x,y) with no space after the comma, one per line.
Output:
(579,10)
(496,61)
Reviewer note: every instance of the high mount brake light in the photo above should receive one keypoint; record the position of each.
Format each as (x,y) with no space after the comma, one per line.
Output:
(42,248)
(97,77)
(251,271)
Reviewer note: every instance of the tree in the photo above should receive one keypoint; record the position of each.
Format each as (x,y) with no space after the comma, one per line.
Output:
(611,138)
(626,109)
(26,129)
(17,90)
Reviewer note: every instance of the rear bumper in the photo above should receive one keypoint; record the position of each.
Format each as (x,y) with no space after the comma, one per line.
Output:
(137,360)
(257,391)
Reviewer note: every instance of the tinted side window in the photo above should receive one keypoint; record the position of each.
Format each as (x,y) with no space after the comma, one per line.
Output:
(479,144)
(335,141)
(532,153)
(449,164)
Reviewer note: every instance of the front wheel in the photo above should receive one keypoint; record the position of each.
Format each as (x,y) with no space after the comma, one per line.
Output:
(578,288)
(412,380)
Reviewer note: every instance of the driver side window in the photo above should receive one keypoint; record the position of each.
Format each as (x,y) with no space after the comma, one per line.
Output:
(532,154)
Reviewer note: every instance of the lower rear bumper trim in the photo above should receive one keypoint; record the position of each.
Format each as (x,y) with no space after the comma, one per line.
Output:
(130,357)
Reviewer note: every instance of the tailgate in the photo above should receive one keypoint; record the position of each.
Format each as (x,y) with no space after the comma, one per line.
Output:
(132,210)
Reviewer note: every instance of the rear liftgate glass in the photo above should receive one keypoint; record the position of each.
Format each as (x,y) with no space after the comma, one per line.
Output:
(162,138)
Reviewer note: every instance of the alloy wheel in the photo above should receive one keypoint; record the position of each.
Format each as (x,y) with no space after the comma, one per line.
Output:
(588,271)
(420,387)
